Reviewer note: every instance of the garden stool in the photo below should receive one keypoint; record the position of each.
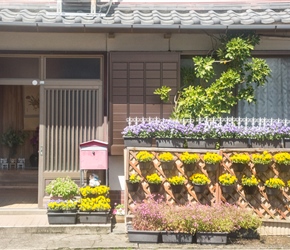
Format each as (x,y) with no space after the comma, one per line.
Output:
(12,163)
(21,163)
(3,163)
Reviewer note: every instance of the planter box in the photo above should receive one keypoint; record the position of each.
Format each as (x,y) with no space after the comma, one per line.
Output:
(238,167)
(272,191)
(286,142)
(250,189)
(154,188)
(261,167)
(227,189)
(195,143)
(177,188)
(132,187)
(144,236)
(199,188)
(62,218)
(138,142)
(235,143)
(172,237)
(170,142)
(211,238)
(245,234)
(283,167)
(93,217)
(266,144)
(167,165)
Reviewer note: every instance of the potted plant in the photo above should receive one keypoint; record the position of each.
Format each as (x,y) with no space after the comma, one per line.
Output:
(261,161)
(62,211)
(227,182)
(133,182)
(169,133)
(176,183)
(250,183)
(91,192)
(138,135)
(94,210)
(167,160)
(273,185)
(64,188)
(199,182)
(212,161)
(154,181)
(13,138)
(119,213)
(144,158)
(188,160)
(283,161)
(239,161)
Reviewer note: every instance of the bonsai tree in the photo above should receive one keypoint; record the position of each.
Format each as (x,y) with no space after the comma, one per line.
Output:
(206,93)
(12,139)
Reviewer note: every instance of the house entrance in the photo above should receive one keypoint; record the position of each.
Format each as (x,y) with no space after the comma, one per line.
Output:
(70,92)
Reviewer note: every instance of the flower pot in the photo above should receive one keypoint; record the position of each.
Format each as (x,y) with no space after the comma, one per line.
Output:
(211,143)
(235,143)
(261,167)
(120,218)
(138,142)
(266,143)
(199,188)
(189,167)
(139,236)
(250,189)
(211,167)
(227,189)
(173,237)
(283,167)
(211,237)
(145,165)
(238,167)
(195,143)
(167,165)
(132,187)
(170,142)
(177,188)
(272,191)
(62,218)
(93,217)
(154,188)
(244,233)
(286,142)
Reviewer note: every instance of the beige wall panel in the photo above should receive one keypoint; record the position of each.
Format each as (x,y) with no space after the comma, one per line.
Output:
(50,41)
(136,109)
(136,99)
(153,110)
(138,42)
(274,43)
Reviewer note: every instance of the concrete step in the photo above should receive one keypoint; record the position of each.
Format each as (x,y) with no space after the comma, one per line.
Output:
(22,211)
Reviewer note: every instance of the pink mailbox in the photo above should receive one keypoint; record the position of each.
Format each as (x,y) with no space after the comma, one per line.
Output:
(93,156)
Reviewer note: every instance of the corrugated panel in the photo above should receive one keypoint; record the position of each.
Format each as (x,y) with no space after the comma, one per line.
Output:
(71,118)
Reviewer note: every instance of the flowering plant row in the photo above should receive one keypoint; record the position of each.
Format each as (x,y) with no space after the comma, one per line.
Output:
(168,128)
(155,214)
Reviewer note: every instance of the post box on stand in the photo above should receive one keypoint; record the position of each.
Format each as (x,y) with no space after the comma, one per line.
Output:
(94,158)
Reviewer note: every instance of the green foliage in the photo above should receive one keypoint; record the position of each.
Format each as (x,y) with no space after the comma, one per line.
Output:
(163,92)
(62,187)
(240,74)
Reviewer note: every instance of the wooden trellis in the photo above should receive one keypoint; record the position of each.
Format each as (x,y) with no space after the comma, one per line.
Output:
(267,207)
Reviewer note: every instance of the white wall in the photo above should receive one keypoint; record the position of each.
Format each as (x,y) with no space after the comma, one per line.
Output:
(116,172)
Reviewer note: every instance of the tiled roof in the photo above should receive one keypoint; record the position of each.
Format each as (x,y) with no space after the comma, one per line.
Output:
(154,17)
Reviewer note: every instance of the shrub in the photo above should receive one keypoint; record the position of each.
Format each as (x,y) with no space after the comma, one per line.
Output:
(62,187)
(188,158)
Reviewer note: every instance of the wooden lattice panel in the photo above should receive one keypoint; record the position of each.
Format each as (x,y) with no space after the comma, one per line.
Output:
(267,207)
